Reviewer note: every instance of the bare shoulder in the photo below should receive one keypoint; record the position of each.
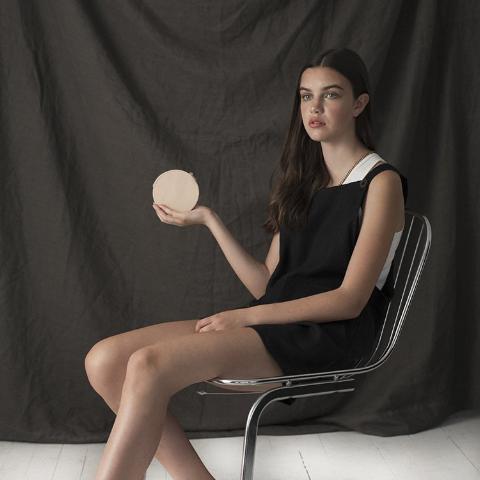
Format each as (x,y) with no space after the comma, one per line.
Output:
(386,188)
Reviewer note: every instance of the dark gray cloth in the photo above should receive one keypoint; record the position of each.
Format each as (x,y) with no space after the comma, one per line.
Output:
(99,97)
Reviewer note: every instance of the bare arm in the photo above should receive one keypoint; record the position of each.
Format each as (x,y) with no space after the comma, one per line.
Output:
(328,306)
(252,273)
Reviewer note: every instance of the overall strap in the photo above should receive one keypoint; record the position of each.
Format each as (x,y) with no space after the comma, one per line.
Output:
(380,168)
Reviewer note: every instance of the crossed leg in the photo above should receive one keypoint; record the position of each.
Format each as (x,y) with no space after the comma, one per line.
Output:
(137,372)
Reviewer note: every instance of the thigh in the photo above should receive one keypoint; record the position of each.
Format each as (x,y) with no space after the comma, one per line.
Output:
(133,340)
(231,354)
(115,351)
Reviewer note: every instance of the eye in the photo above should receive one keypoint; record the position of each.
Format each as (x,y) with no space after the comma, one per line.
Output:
(304,95)
(335,95)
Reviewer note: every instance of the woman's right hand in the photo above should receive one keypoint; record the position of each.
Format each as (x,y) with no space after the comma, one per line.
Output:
(199,215)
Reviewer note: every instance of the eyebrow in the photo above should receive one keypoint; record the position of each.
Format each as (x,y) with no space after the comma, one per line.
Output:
(334,85)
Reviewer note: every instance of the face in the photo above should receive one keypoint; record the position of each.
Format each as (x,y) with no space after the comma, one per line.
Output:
(327,97)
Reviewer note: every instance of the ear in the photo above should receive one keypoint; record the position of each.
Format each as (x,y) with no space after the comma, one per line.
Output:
(360,104)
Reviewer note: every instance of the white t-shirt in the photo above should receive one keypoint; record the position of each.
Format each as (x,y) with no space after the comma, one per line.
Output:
(358,173)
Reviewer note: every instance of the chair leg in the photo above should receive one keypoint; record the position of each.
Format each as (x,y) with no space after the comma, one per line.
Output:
(274,395)
(250,437)
(251,429)
(248,457)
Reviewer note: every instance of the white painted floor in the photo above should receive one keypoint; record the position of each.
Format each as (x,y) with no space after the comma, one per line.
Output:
(448,452)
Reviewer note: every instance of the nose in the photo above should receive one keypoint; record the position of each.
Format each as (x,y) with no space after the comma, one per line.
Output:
(316,107)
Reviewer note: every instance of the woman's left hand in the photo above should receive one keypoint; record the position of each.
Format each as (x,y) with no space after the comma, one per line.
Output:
(226,320)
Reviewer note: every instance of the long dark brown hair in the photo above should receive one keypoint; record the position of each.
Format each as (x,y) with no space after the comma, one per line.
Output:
(301,170)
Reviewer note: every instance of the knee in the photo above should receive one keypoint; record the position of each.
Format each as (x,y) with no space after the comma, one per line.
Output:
(103,363)
(150,367)
(146,360)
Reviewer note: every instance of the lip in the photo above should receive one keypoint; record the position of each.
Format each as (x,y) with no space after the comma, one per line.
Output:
(316,123)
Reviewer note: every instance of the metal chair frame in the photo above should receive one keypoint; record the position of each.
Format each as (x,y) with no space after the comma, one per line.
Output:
(416,236)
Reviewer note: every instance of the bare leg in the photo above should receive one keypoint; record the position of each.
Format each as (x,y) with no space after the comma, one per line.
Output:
(139,423)
(175,452)
(138,426)
(142,410)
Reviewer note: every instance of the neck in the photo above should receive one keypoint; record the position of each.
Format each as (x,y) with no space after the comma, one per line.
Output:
(340,157)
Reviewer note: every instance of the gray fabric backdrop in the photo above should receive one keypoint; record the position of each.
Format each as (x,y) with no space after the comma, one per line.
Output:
(100,97)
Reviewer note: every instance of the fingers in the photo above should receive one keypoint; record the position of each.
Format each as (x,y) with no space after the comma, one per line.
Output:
(198,326)
(158,211)
(166,214)
(203,325)
(162,208)
(165,208)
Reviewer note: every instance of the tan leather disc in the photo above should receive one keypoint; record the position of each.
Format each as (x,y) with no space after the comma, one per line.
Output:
(176,189)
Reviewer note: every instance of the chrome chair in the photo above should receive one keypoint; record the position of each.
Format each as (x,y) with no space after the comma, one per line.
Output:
(407,266)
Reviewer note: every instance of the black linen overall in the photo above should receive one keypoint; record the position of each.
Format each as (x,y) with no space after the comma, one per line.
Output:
(314,259)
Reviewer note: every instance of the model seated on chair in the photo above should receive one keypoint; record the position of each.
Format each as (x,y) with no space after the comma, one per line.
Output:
(336,213)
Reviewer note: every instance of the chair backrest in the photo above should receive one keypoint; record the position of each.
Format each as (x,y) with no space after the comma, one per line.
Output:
(407,266)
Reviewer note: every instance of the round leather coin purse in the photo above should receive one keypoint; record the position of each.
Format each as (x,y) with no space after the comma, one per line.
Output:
(176,189)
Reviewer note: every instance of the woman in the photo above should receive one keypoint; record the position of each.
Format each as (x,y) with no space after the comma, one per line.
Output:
(318,297)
